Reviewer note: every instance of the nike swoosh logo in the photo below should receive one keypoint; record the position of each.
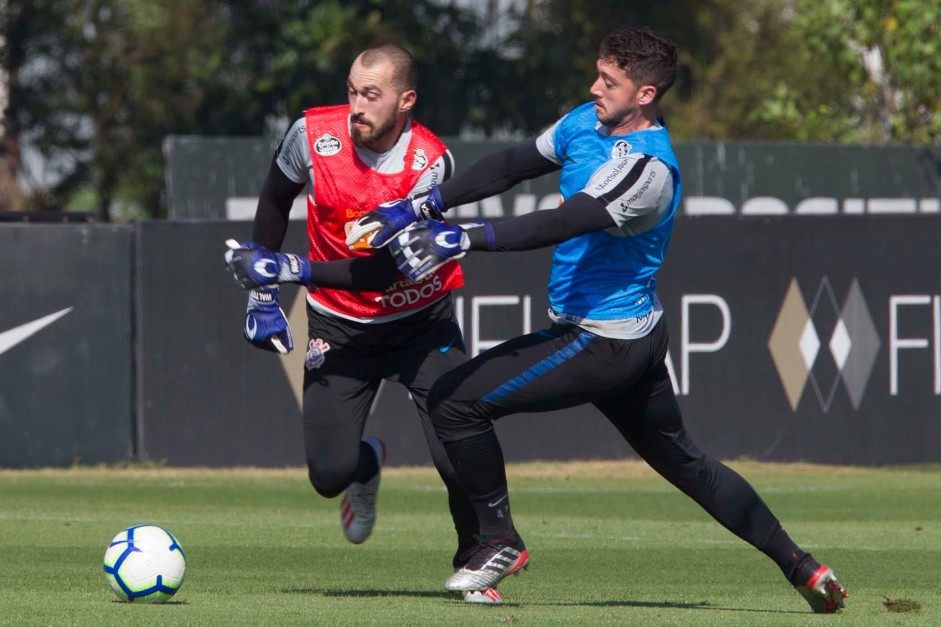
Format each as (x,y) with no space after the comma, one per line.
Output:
(498,501)
(447,346)
(17,335)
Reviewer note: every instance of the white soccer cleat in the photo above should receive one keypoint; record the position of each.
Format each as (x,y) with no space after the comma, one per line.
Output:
(823,592)
(358,507)
(488,567)
(490,596)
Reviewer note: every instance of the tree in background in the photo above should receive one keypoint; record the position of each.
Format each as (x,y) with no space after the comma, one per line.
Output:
(29,31)
(95,85)
(736,60)
(107,80)
(850,71)
(547,65)
(888,53)
(736,78)
(100,84)
(283,57)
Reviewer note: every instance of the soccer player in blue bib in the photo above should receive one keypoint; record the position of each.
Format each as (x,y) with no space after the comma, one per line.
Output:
(620,182)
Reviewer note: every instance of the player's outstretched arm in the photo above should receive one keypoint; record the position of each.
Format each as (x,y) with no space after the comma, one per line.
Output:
(491,175)
(425,246)
(496,173)
(632,194)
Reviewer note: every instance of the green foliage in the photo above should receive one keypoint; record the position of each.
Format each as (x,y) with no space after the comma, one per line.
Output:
(101,91)
(888,53)
(95,85)
(617,546)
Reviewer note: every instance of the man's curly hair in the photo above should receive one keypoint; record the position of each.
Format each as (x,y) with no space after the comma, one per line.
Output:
(646,56)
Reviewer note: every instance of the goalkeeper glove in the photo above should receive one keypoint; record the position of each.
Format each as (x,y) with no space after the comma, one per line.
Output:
(426,246)
(255,266)
(380,225)
(265,325)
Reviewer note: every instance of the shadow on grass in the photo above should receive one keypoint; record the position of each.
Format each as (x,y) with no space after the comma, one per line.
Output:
(428,594)
(175,602)
(702,605)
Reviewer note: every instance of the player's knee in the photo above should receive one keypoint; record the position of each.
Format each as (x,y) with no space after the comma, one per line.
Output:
(455,418)
(327,483)
(449,421)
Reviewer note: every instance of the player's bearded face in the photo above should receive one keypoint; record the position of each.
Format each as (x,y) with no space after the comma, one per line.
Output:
(367,130)
(617,98)
(375,105)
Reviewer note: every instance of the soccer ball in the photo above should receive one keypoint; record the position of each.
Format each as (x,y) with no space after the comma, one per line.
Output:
(145,564)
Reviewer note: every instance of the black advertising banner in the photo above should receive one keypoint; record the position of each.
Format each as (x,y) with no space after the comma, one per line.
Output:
(793,338)
(812,339)
(65,344)
(206,397)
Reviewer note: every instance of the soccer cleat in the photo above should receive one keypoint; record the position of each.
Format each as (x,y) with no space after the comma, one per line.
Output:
(490,564)
(490,596)
(823,592)
(358,507)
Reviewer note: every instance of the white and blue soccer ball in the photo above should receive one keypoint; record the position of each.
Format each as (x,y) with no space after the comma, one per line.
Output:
(145,564)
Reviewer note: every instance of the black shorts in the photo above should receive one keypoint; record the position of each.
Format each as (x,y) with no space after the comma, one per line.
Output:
(346,363)
(399,351)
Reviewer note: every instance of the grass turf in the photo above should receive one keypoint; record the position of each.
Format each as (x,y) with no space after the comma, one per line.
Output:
(610,543)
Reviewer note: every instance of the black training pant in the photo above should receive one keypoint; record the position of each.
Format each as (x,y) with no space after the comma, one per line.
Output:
(340,384)
(627,380)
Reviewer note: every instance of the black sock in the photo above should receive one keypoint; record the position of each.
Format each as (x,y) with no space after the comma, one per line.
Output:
(803,570)
(368,464)
(788,556)
(478,461)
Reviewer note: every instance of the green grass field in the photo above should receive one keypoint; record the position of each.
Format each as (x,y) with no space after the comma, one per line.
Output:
(610,544)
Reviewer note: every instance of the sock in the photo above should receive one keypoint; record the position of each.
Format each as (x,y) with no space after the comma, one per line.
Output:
(478,461)
(803,570)
(368,464)
(788,556)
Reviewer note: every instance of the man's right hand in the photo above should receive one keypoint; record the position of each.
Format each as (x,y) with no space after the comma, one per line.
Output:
(252,265)
(265,325)
(380,225)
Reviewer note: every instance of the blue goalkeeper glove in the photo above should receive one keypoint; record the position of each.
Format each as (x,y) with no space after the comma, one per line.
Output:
(380,225)
(425,246)
(265,324)
(255,266)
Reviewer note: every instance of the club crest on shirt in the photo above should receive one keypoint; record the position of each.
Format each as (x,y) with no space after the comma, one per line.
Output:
(420,160)
(620,150)
(327,145)
(315,353)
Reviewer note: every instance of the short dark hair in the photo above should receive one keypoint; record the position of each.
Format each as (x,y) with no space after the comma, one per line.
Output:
(646,56)
(404,67)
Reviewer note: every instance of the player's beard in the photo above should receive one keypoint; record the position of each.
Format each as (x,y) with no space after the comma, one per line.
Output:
(374,134)
(610,119)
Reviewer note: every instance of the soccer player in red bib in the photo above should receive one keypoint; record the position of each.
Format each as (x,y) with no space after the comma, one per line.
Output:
(366,323)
